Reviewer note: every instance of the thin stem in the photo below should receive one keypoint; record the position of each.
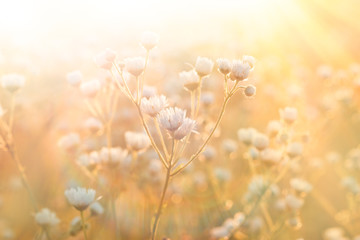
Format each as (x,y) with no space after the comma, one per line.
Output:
(12,108)
(198,98)
(167,180)
(192,95)
(113,209)
(47,234)
(161,137)
(83,224)
(138,96)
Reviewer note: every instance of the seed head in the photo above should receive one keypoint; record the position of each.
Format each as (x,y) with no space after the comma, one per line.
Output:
(80,198)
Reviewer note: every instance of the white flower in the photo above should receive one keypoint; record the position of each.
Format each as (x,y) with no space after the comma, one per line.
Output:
(96,209)
(113,156)
(93,124)
(289,114)
(222,174)
(270,155)
(261,141)
(249,60)
(294,202)
(190,80)
(135,65)
(186,127)
(171,118)
(74,78)
(219,232)
(257,186)
(209,153)
(250,90)
(46,218)
(294,149)
(105,58)
(229,145)
(300,185)
(240,70)
(207,98)
(149,91)
(273,128)
(246,135)
(80,198)
(75,226)
(224,65)
(91,88)
(203,66)
(334,233)
(153,105)
(12,82)
(69,141)
(89,160)
(149,40)
(136,141)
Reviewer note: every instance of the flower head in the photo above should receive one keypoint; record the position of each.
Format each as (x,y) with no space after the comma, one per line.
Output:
(149,40)
(171,118)
(96,209)
(80,198)
(135,65)
(136,141)
(250,90)
(69,141)
(224,65)
(250,60)
(261,141)
(12,82)
(240,70)
(46,218)
(246,135)
(190,80)
(185,128)
(91,88)
(74,78)
(93,124)
(289,114)
(105,58)
(113,156)
(154,105)
(203,66)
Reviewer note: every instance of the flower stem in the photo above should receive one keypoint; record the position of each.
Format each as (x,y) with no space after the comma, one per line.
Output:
(83,224)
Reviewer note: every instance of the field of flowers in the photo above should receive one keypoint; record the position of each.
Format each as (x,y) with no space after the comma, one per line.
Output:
(190,121)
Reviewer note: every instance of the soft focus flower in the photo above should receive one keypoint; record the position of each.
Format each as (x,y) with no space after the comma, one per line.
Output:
(250,90)
(2,111)
(289,114)
(203,66)
(294,202)
(240,70)
(261,141)
(250,60)
(207,98)
(270,155)
(113,156)
(46,218)
(89,160)
(153,105)
(185,128)
(69,142)
(334,233)
(219,232)
(93,124)
(300,185)
(12,82)
(136,141)
(246,135)
(90,88)
(80,198)
(74,78)
(149,91)
(273,128)
(105,58)
(224,65)
(190,80)
(229,146)
(135,65)
(294,149)
(149,40)
(96,209)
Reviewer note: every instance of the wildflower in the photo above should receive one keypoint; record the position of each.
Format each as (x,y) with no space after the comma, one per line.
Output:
(80,198)
(91,88)
(246,135)
(250,60)
(224,65)
(136,141)
(74,78)
(153,105)
(351,184)
(207,98)
(75,226)
(334,233)
(294,202)
(203,66)
(185,129)
(270,155)
(257,186)
(209,153)
(89,160)
(135,66)
(93,125)
(171,118)
(69,142)
(46,218)
(96,209)
(294,149)
(222,174)
(190,80)
(229,145)
(149,40)
(149,91)
(105,58)
(12,82)
(273,128)
(239,71)
(261,141)
(250,91)
(289,114)
(219,232)
(300,185)
(113,156)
